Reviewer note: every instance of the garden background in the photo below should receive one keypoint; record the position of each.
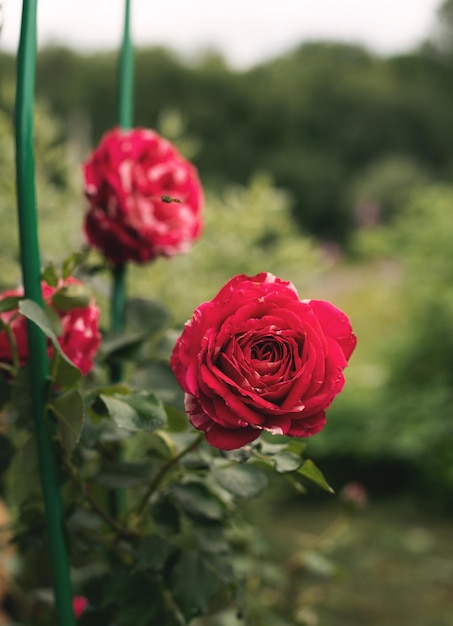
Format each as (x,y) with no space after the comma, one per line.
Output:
(335,165)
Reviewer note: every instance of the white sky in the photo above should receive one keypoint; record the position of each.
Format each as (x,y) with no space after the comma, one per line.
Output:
(245,31)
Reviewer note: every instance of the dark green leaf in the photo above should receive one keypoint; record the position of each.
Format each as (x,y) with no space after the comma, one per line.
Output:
(121,346)
(211,538)
(135,412)
(124,475)
(68,409)
(145,316)
(5,391)
(6,452)
(245,481)
(9,304)
(198,501)
(21,402)
(151,553)
(194,584)
(310,471)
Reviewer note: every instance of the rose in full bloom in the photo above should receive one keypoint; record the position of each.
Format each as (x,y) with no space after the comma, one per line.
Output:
(80,337)
(256,358)
(145,199)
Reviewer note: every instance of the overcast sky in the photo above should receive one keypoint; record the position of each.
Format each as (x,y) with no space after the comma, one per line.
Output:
(245,31)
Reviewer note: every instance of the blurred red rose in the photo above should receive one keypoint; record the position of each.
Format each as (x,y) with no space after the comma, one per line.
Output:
(258,358)
(145,199)
(80,336)
(79,605)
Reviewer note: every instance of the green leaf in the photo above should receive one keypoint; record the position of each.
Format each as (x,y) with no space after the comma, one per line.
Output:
(145,316)
(9,304)
(211,538)
(177,420)
(194,584)
(158,376)
(121,346)
(21,402)
(5,392)
(67,373)
(245,481)
(135,412)
(7,452)
(50,275)
(286,462)
(152,553)
(124,475)
(197,501)
(69,412)
(71,296)
(310,471)
(71,263)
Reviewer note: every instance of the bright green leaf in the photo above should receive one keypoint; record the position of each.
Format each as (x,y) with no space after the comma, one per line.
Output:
(177,420)
(310,471)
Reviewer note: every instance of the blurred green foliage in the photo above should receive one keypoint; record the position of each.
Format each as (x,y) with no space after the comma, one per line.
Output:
(318,118)
(328,143)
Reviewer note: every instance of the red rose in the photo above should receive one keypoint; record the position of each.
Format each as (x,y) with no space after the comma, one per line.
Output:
(257,358)
(79,605)
(79,340)
(145,199)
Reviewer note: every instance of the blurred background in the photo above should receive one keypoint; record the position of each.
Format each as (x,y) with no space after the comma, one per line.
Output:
(324,138)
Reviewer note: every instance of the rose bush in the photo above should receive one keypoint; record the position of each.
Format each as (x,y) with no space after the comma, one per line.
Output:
(80,337)
(145,199)
(258,358)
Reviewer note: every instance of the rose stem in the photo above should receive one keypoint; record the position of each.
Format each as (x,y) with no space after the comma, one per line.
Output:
(30,262)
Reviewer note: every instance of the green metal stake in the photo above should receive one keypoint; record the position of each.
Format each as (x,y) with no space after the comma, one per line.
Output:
(126,73)
(125,106)
(118,295)
(30,261)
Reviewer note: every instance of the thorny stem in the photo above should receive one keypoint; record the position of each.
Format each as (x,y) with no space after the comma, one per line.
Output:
(97,508)
(162,472)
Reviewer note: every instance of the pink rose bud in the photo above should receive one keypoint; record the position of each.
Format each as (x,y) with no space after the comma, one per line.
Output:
(80,338)
(258,358)
(354,494)
(79,605)
(145,199)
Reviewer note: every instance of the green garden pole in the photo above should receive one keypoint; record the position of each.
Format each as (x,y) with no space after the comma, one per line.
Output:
(118,295)
(125,106)
(38,359)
